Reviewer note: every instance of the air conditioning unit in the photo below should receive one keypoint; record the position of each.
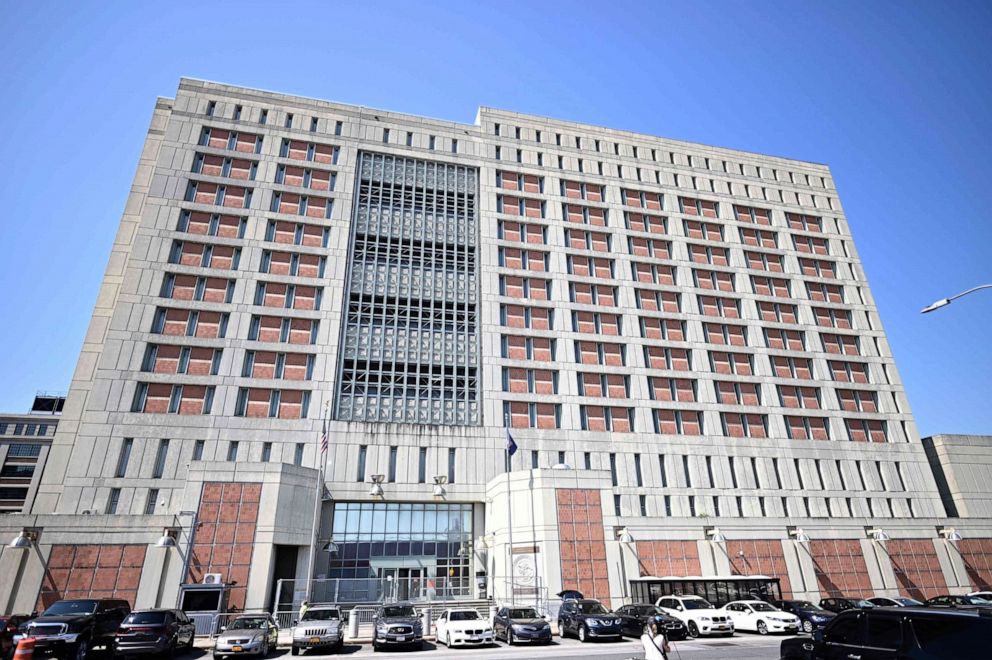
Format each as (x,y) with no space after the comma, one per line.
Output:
(213,578)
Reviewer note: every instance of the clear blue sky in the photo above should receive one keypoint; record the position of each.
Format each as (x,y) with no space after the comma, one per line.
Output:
(894,96)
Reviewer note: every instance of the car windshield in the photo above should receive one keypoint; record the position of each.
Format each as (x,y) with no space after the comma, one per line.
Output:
(526,613)
(249,623)
(806,605)
(71,607)
(592,608)
(863,603)
(762,607)
(908,602)
(322,615)
(696,604)
(464,616)
(148,618)
(399,611)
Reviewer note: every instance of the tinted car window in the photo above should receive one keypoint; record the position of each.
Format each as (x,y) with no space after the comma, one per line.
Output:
(884,632)
(844,631)
(145,617)
(948,638)
(68,607)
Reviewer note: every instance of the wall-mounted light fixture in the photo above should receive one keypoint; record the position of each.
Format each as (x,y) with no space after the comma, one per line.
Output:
(376,489)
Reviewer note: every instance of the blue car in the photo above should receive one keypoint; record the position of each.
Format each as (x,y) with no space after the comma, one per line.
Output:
(811,617)
(588,620)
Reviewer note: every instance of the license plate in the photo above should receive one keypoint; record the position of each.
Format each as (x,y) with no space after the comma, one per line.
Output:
(236,648)
(474,638)
(315,640)
(401,638)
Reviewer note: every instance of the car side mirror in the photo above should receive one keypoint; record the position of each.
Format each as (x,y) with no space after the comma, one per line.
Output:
(678,607)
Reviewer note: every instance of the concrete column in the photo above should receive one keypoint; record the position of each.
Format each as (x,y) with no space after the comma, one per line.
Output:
(952,565)
(883,577)
(151,587)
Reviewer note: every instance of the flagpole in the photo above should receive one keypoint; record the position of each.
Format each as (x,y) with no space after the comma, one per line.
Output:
(509,510)
(318,500)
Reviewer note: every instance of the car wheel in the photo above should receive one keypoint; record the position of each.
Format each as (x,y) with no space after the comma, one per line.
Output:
(762,628)
(447,640)
(808,626)
(509,637)
(693,630)
(582,634)
(562,632)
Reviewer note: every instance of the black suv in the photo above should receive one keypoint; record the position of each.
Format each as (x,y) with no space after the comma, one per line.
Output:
(838,605)
(397,624)
(892,633)
(70,628)
(588,619)
(635,618)
(958,602)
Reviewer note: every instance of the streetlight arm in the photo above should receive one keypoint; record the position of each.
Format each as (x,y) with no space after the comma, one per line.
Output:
(947,301)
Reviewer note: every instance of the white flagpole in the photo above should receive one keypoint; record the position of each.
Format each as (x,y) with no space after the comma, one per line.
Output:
(318,500)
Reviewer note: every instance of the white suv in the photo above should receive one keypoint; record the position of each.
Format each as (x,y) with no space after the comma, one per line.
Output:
(697,614)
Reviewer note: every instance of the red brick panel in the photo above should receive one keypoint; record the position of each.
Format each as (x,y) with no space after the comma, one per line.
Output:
(583,548)
(917,568)
(977,556)
(225,535)
(665,558)
(92,571)
(840,567)
(760,557)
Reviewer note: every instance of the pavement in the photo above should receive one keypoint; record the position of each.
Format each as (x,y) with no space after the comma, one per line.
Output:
(742,646)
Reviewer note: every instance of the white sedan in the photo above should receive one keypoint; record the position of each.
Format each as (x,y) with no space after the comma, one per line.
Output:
(462,626)
(760,617)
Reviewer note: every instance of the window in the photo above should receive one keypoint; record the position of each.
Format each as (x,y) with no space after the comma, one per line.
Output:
(151,501)
(534,459)
(266,452)
(163,450)
(451,465)
(616,505)
(289,120)
(385,136)
(409,138)
(198,450)
(846,630)
(232,451)
(298,454)
(313,124)
(113,500)
(264,117)
(337,127)
(432,140)
(124,457)
(613,469)
(422,466)
(637,471)
(662,471)
(237,112)
(391,474)
(211,108)
(363,451)
(642,501)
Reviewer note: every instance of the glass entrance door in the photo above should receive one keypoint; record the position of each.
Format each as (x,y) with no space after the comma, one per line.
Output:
(410,584)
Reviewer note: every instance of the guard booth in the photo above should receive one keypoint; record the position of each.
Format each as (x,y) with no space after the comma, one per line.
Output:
(718,590)
(203,603)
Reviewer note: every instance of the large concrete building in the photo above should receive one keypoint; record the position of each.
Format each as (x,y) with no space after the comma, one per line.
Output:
(680,338)
(24,442)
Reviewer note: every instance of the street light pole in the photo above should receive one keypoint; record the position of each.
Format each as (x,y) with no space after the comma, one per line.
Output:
(947,301)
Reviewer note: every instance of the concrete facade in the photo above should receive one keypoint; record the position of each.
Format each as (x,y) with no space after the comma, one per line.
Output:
(688,328)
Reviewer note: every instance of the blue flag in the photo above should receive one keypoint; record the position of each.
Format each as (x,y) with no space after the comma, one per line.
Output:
(511,446)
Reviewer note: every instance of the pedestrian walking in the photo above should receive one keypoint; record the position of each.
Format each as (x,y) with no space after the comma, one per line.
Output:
(304,606)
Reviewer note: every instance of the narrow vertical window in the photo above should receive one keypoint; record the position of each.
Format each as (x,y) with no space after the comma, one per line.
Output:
(198,450)
(289,120)
(124,457)
(337,127)
(616,505)
(232,451)
(211,108)
(613,469)
(362,454)
(266,452)
(637,470)
(313,124)
(662,471)
(687,472)
(451,465)
(587,460)
(264,117)
(534,459)
(298,454)
(643,504)
(113,500)
(163,450)
(151,501)
(391,474)
(422,466)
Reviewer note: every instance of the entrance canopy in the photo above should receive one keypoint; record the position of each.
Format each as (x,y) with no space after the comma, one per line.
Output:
(718,590)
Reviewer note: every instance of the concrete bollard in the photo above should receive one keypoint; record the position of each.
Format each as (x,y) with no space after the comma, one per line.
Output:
(426,621)
(25,649)
(353,626)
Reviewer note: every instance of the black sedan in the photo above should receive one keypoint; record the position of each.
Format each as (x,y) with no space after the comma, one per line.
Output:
(521,624)
(634,618)
(810,616)
(958,602)
(154,632)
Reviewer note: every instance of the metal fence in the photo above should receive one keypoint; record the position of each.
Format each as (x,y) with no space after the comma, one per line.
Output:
(291,593)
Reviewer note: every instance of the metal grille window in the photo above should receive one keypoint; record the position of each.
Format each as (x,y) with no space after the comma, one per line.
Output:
(410,340)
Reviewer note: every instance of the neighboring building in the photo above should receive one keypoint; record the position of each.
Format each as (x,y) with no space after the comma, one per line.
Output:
(962,466)
(685,331)
(24,443)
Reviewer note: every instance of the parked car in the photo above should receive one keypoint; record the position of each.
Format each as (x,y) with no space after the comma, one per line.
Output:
(247,634)
(154,632)
(462,626)
(320,628)
(9,624)
(699,616)
(587,619)
(760,617)
(521,624)
(810,616)
(71,628)
(898,601)
(838,605)
(397,624)
(635,618)
(570,594)
(987,595)
(895,634)
(958,602)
